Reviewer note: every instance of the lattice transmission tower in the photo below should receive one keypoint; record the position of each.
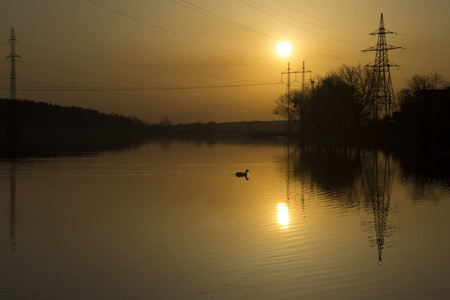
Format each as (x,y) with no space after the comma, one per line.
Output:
(12,133)
(12,58)
(288,72)
(304,71)
(384,100)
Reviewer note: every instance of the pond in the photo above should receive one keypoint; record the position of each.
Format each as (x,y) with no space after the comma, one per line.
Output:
(170,220)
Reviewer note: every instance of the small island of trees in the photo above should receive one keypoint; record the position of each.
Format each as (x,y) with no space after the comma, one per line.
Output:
(343,102)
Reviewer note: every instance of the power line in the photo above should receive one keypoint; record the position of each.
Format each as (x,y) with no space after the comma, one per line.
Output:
(357,30)
(436,41)
(209,103)
(118,89)
(429,52)
(220,48)
(153,67)
(424,70)
(310,16)
(292,24)
(413,36)
(218,17)
(174,33)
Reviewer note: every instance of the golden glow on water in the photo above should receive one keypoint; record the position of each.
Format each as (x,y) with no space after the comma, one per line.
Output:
(283,215)
(176,214)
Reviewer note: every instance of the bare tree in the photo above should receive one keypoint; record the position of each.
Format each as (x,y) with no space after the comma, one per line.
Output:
(361,80)
(424,104)
(419,83)
(343,97)
(165,121)
(293,109)
(330,104)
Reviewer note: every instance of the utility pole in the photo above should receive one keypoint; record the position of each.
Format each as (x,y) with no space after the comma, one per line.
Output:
(288,72)
(12,132)
(384,100)
(303,71)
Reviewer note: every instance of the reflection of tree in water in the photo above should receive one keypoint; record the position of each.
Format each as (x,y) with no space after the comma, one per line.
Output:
(377,177)
(330,169)
(424,190)
(166,144)
(353,177)
(428,168)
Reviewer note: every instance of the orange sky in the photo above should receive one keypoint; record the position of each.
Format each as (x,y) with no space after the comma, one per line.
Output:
(150,59)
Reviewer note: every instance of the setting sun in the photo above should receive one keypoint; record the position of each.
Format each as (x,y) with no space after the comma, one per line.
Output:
(284,49)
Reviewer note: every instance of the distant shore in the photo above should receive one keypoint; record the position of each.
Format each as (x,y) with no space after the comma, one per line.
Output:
(45,130)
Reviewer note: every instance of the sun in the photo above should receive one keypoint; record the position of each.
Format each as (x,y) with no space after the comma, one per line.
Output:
(284,49)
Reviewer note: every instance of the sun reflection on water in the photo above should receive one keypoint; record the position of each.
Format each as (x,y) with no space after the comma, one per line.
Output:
(283,215)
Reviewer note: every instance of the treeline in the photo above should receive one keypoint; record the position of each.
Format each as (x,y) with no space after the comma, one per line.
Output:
(425,107)
(344,100)
(41,115)
(43,128)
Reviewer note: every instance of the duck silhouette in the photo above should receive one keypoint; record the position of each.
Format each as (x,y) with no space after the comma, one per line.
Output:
(242,174)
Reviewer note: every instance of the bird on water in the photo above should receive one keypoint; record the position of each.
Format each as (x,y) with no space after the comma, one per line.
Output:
(242,174)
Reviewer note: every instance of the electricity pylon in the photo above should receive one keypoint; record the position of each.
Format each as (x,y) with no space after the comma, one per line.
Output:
(384,100)
(12,133)
(12,58)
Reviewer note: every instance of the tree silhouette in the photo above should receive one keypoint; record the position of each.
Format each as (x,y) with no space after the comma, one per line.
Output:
(341,99)
(425,105)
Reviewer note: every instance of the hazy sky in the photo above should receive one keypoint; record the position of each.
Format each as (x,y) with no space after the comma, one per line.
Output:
(205,60)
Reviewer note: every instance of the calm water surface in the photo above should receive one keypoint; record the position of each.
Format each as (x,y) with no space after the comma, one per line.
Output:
(171,221)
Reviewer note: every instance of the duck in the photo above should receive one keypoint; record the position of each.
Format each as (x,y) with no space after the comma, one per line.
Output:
(242,174)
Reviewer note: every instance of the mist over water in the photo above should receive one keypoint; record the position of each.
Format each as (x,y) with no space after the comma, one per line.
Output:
(172,221)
